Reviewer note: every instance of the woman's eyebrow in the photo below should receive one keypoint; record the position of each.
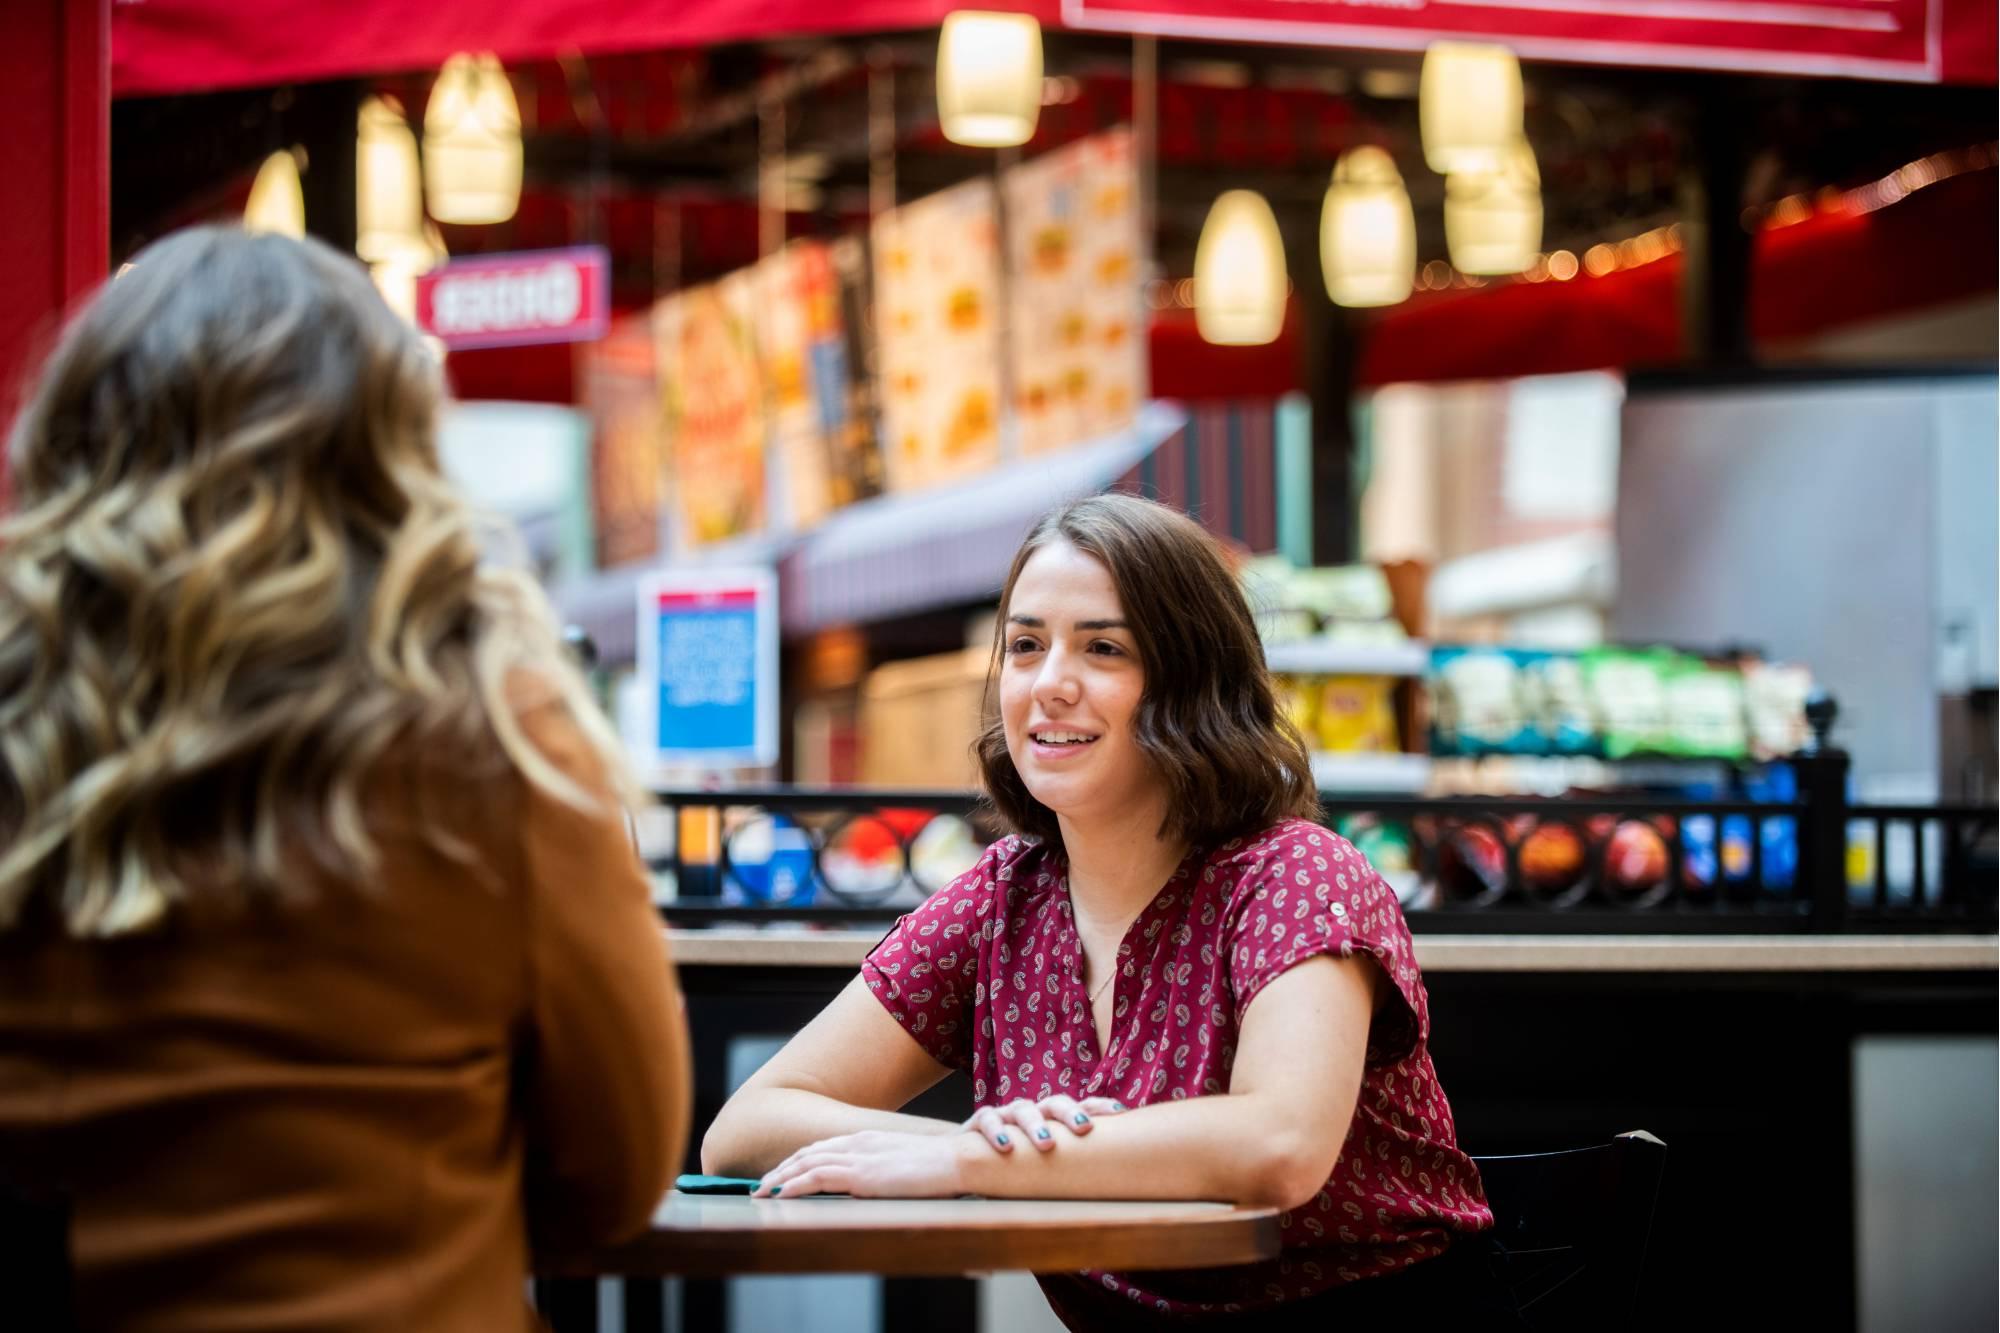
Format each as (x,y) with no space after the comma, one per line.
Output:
(1036,622)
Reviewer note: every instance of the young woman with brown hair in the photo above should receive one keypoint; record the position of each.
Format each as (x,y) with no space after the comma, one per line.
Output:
(1167,983)
(326,966)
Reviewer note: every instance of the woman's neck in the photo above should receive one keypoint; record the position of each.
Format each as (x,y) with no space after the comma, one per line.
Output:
(1117,865)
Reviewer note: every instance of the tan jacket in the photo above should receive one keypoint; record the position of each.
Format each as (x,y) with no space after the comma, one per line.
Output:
(344,1113)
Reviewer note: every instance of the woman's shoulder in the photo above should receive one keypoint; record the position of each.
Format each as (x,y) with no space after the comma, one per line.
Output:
(1284,840)
(1015,860)
(1010,868)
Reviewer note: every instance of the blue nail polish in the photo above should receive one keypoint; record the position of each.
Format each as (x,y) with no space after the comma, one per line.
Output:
(1118,1106)
(1042,1133)
(1082,1119)
(777,1190)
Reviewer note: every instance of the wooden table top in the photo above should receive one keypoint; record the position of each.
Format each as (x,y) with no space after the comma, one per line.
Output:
(749,947)
(721,1235)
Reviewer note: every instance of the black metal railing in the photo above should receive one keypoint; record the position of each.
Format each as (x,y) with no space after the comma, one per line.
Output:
(1922,866)
(1461,863)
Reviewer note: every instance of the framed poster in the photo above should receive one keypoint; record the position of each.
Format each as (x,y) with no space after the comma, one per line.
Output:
(802,354)
(1076,327)
(708,667)
(628,456)
(937,292)
(713,393)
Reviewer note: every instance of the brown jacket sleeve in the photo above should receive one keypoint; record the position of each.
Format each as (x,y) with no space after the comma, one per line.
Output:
(606,1078)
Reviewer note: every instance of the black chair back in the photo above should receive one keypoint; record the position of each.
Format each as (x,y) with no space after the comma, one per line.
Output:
(36,1275)
(1572,1228)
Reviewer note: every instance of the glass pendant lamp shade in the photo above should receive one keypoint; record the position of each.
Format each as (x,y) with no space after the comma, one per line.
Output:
(396,273)
(389,208)
(1239,272)
(1469,106)
(1493,220)
(989,78)
(1367,231)
(472,142)
(277,203)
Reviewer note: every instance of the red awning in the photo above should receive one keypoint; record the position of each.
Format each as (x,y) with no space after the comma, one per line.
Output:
(176,46)
(1829,271)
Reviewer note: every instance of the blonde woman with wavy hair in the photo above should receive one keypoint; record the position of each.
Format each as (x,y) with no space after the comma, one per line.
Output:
(326,967)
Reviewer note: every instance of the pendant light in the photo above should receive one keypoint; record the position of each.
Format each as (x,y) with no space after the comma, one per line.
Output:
(396,273)
(277,203)
(1469,106)
(1239,272)
(472,142)
(989,78)
(389,207)
(1493,220)
(1367,231)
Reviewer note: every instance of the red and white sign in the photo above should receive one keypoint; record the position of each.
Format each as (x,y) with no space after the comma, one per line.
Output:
(535,296)
(1925,41)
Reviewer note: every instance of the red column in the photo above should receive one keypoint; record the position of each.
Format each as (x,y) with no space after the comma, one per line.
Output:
(55,158)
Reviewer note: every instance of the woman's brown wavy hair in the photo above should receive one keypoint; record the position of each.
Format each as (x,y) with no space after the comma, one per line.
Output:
(1208,719)
(236,578)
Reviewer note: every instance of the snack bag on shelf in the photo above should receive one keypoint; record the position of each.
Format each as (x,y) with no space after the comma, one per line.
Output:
(1705,716)
(1774,696)
(1298,699)
(1559,703)
(1386,844)
(1478,703)
(1628,694)
(1357,714)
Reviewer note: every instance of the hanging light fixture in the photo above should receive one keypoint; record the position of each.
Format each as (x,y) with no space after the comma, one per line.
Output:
(1469,106)
(396,273)
(277,203)
(1239,272)
(472,142)
(1367,231)
(389,209)
(989,78)
(1493,220)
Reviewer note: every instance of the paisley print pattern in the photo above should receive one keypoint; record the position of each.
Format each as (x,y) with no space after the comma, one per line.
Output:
(985,976)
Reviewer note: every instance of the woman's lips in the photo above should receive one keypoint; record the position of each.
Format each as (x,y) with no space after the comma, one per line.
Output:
(1047,753)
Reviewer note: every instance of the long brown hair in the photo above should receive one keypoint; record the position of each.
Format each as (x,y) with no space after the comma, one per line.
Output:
(1208,718)
(237,578)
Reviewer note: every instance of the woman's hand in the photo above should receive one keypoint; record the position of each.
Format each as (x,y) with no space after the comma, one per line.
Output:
(874,1164)
(1003,1125)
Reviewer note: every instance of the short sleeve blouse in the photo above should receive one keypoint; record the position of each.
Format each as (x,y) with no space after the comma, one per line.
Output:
(986,976)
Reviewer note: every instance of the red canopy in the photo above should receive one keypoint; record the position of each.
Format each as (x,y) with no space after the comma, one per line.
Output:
(170,46)
(1831,270)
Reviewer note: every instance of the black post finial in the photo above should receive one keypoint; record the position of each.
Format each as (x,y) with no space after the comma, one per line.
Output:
(1821,710)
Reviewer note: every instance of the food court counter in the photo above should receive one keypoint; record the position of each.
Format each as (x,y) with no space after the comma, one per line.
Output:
(1738,1050)
(752,948)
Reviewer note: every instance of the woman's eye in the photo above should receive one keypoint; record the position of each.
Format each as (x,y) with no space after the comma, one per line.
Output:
(1106,648)
(1021,645)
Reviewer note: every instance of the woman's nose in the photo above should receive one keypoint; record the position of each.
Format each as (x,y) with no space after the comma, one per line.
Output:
(1056,681)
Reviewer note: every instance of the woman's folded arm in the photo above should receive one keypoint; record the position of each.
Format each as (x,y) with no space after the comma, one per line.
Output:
(846,1072)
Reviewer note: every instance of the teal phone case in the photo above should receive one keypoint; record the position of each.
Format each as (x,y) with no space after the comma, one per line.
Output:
(714,1185)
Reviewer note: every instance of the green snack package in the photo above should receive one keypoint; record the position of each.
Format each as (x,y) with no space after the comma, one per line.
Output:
(1628,694)
(1705,711)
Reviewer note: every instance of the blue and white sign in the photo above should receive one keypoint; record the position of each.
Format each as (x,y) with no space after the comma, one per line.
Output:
(708,667)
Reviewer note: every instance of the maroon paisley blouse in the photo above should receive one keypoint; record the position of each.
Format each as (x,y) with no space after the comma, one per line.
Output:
(985,975)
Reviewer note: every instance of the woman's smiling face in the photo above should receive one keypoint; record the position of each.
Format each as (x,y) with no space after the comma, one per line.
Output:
(1070,688)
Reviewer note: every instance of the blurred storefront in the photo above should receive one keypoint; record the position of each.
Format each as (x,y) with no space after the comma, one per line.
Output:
(1577,472)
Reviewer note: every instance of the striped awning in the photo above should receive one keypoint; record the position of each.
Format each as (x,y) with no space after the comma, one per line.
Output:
(901,554)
